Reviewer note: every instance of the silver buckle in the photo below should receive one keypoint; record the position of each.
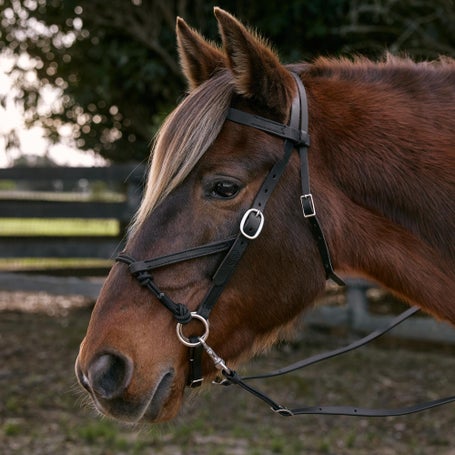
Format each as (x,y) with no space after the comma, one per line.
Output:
(196,383)
(308,197)
(257,213)
(285,412)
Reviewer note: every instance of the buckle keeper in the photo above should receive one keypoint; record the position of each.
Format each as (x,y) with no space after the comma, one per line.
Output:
(307,205)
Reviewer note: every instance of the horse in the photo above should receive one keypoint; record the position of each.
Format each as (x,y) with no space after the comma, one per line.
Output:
(380,151)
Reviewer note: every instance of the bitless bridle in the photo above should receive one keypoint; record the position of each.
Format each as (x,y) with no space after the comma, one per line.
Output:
(295,136)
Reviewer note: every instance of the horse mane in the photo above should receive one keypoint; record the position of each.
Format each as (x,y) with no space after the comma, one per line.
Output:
(184,137)
(386,69)
(192,127)
(419,97)
(388,60)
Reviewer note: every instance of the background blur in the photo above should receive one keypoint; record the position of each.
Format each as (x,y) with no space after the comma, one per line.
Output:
(102,77)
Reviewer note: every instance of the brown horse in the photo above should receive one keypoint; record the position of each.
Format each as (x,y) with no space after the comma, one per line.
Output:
(382,167)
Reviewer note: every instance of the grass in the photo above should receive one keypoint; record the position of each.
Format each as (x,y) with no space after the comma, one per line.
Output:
(41,411)
(18,264)
(58,226)
(66,227)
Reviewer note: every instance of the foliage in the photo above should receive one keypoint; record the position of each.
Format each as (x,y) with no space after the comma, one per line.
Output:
(115,68)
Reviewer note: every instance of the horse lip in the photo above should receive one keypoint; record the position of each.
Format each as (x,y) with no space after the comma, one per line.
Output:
(159,397)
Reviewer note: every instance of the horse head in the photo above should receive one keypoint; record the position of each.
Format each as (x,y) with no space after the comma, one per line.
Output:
(205,172)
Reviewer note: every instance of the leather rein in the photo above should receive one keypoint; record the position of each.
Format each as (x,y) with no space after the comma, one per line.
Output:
(295,136)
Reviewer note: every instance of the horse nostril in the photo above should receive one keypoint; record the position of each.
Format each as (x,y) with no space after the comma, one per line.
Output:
(109,375)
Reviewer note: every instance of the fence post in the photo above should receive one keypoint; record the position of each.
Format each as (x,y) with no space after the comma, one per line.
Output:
(357,302)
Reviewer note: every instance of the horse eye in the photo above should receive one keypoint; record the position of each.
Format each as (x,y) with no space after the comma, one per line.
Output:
(225,190)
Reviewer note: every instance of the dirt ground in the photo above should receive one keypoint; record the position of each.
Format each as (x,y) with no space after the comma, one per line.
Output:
(42,410)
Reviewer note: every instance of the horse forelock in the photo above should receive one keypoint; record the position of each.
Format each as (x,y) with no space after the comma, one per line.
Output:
(182,140)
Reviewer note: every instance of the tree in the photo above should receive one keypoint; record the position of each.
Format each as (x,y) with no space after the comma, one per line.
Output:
(112,66)
(115,68)
(419,28)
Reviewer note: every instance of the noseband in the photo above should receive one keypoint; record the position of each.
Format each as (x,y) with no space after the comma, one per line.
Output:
(295,136)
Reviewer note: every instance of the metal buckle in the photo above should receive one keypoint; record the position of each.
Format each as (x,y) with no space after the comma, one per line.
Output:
(196,383)
(185,340)
(257,213)
(307,205)
(285,412)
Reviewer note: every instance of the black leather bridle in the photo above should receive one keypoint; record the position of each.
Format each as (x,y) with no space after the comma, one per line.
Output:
(295,136)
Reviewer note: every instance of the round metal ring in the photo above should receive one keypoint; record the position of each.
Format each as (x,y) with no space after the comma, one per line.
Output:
(185,340)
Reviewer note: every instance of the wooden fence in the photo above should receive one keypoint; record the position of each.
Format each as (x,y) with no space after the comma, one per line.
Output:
(354,313)
(357,314)
(31,196)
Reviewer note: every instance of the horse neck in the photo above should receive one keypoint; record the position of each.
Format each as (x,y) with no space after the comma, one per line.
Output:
(387,187)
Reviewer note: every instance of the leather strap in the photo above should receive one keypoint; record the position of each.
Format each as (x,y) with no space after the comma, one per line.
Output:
(180,311)
(195,375)
(232,377)
(192,253)
(291,132)
(336,352)
(306,199)
(309,212)
(232,258)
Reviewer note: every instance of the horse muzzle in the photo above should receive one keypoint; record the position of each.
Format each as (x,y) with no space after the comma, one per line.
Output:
(110,380)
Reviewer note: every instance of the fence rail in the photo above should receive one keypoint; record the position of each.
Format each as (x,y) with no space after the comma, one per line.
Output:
(356,315)
(50,205)
(33,208)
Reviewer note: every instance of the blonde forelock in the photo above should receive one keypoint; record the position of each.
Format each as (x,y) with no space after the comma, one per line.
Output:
(183,139)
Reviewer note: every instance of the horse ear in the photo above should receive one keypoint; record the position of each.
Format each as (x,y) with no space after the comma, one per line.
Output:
(257,71)
(199,59)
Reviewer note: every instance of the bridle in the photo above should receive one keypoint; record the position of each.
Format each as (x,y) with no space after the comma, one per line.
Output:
(295,136)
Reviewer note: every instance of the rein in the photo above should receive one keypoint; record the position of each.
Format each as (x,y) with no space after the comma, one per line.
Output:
(295,136)
(232,377)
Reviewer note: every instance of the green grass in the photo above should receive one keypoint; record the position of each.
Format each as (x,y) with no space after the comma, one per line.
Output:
(12,429)
(70,227)
(18,264)
(58,226)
